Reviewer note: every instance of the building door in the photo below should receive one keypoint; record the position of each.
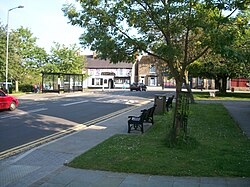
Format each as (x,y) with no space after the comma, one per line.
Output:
(111,83)
(142,80)
(152,81)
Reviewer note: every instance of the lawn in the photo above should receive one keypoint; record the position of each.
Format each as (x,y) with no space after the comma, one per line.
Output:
(219,149)
(219,96)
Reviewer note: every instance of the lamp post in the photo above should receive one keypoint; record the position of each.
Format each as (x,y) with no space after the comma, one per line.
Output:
(7,47)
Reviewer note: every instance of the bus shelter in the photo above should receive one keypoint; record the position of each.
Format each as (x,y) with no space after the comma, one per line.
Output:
(61,82)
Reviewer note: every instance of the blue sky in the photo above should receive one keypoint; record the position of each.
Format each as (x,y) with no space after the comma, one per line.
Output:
(45,20)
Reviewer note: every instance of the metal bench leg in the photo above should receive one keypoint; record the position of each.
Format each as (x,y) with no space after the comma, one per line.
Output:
(129,128)
(142,128)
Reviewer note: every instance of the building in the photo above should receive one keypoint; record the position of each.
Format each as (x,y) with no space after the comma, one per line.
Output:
(149,71)
(240,84)
(104,74)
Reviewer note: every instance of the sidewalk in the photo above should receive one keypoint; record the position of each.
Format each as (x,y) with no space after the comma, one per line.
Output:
(44,165)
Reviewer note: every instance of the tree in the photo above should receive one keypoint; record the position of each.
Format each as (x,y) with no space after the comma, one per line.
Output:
(25,57)
(2,52)
(173,31)
(227,61)
(30,58)
(65,59)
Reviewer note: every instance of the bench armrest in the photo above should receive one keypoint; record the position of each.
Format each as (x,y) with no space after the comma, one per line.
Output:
(133,117)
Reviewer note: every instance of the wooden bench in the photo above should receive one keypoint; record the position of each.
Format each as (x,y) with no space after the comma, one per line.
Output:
(149,118)
(136,122)
(169,103)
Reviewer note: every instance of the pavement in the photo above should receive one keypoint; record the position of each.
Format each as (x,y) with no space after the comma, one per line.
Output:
(44,165)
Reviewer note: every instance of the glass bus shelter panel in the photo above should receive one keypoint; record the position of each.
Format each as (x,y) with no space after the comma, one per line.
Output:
(66,81)
(55,82)
(78,82)
(48,82)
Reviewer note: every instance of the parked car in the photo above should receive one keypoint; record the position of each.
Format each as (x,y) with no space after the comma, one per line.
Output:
(7,101)
(138,87)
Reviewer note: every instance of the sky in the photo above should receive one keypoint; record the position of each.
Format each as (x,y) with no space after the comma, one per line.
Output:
(45,19)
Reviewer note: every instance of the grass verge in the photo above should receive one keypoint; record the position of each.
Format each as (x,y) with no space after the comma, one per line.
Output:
(221,149)
(220,96)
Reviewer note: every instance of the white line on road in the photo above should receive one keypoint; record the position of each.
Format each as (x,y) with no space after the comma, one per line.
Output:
(24,112)
(74,103)
(37,110)
(106,97)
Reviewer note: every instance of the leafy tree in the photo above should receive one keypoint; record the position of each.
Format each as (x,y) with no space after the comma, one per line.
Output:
(2,52)
(227,61)
(25,57)
(32,58)
(177,32)
(65,59)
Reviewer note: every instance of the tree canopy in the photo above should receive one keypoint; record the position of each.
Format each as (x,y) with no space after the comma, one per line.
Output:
(27,60)
(227,61)
(177,32)
(65,59)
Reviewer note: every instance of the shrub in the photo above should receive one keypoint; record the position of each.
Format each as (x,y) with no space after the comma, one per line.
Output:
(26,88)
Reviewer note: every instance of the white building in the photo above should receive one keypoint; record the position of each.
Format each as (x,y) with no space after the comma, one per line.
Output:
(103,74)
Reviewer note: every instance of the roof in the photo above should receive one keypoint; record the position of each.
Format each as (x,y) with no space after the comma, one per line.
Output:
(94,63)
(147,59)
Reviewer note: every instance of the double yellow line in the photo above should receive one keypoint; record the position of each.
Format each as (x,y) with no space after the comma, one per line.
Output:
(54,136)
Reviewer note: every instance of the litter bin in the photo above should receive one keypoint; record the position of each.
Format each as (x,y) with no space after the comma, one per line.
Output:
(160,102)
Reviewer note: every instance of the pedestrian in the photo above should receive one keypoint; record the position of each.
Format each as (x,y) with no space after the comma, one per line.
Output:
(35,88)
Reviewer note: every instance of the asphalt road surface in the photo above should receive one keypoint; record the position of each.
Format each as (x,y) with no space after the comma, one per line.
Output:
(38,118)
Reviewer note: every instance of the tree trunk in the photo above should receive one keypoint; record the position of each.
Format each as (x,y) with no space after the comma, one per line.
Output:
(176,121)
(189,88)
(217,84)
(224,85)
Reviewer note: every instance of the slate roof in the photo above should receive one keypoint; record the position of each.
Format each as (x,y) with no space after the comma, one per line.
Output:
(94,63)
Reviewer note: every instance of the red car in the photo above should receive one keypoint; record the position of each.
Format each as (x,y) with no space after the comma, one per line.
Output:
(7,101)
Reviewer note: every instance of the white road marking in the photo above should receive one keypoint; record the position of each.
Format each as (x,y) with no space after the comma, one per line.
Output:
(24,112)
(102,98)
(37,110)
(75,103)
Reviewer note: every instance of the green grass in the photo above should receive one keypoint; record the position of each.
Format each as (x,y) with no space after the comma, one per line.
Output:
(220,96)
(15,94)
(220,149)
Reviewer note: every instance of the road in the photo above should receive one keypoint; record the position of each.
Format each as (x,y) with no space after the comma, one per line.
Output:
(39,118)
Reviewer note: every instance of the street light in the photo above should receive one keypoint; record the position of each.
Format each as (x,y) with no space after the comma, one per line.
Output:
(7,47)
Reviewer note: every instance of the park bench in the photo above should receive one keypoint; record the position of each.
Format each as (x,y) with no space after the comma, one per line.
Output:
(149,118)
(136,122)
(169,103)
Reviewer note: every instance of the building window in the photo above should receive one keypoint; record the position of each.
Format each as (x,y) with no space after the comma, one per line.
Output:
(99,81)
(93,81)
(152,68)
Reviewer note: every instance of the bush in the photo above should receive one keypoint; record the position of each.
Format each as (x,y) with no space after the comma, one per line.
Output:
(26,88)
